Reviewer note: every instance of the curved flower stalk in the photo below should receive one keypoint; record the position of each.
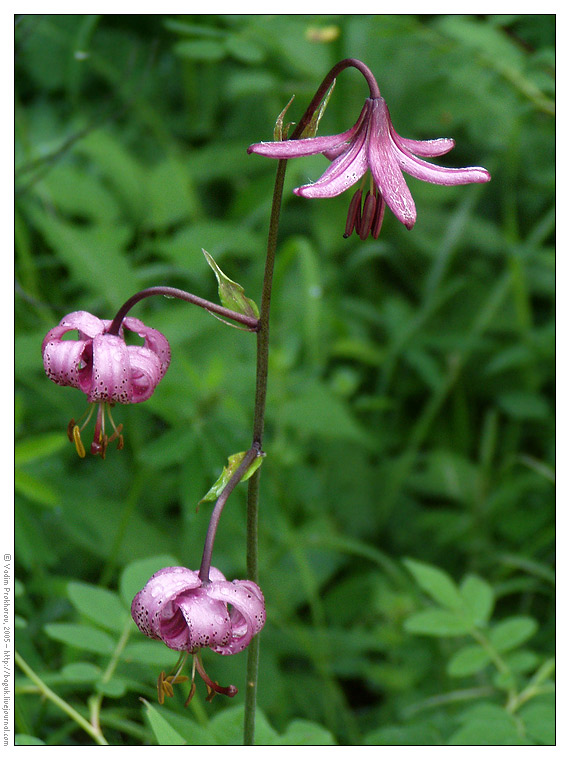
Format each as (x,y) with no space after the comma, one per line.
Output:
(373,144)
(177,608)
(105,368)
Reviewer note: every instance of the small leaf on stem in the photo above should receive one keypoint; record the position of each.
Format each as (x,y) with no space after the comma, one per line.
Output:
(232,295)
(234,462)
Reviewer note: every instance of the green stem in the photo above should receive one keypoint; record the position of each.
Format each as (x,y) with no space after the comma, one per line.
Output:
(258,428)
(95,734)
(96,702)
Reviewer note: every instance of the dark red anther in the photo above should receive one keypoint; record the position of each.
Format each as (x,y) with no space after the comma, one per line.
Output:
(368,212)
(378,215)
(353,216)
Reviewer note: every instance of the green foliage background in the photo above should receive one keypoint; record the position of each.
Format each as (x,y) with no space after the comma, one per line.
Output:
(407,505)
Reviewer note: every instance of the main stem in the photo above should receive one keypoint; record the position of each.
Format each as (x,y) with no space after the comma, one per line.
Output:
(262,372)
(258,428)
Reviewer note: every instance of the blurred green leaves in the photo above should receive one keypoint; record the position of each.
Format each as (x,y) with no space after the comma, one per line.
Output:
(466,611)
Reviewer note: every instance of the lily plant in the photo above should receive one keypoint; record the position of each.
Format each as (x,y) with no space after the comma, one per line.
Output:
(190,611)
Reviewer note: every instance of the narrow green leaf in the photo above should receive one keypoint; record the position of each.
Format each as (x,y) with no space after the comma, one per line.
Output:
(227,728)
(80,672)
(165,734)
(524,405)
(232,294)
(313,125)
(494,723)
(498,731)
(37,447)
(98,604)
(478,598)
(302,733)
(81,637)
(243,49)
(467,661)
(35,489)
(114,688)
(539,719)
(200,50)
(25,740)
(512,632)
(522,661)
(436,583)
(234,462)
(151,653)
(438,623)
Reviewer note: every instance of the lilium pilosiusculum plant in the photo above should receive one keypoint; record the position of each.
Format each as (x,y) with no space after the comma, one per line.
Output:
(187,614)
(105,368)
(373,144)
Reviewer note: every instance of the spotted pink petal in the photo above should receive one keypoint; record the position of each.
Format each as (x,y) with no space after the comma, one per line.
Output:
(145,371)
(247,614)
(62,358)
(148,605)
(154,341)
(207,619)
(110,378)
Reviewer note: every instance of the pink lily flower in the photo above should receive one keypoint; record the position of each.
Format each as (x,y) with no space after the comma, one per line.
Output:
(187,615)
(175,607)
(373,144)
(105,368)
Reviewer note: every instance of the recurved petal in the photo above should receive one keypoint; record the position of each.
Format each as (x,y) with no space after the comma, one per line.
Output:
(344,171)
(63,358)
(207,619)
(86,324)
(310,146)
(247,614)
(155,341)
(385,168)
(336,151)
(441,175)
(437,147)
(151,603)
(216,575)
(145,372)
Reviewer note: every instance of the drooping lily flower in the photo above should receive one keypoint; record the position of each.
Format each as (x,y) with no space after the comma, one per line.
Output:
(187,615)
(373,144)
(105,368)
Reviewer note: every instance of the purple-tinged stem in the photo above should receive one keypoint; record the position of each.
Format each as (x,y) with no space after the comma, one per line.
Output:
(250,456)
(326,83)
(250,322)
